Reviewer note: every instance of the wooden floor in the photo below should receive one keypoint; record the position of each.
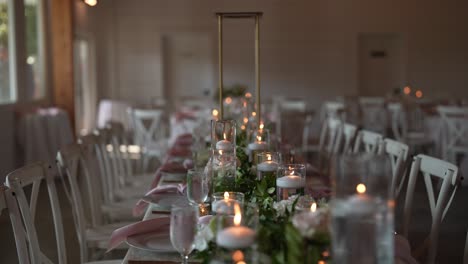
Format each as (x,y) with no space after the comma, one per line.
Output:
(451,241)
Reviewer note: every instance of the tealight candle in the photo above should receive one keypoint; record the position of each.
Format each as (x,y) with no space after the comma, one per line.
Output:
(267,166)
(224,144)
(291,182)
(360,203)
(236,236)
(224,201)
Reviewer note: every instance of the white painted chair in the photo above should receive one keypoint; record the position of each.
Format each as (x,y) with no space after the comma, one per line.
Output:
(33,175)
(455,142)
(331,136)
(149,133)
(448,173)
(7,201)
(408,127)
(333,109)
(91,233)
(369,142)
(349,134)
(310,143)
(398,153)
(373,114)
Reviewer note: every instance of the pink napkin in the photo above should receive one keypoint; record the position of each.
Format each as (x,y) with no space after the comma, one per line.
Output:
(183,140)
(149,226)
(180,152)
(184,115)
(403,251)
(141,205)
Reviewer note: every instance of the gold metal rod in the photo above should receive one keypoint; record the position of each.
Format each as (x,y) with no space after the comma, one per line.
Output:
(220,65)
(257,68)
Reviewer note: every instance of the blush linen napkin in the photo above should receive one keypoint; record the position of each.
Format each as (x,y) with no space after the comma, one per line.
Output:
(148,226)
(157,192)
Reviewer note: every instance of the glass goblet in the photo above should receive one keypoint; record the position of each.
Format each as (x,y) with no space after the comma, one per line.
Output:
(184,222)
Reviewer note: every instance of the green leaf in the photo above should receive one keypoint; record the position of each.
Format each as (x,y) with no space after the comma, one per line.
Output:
(271,190)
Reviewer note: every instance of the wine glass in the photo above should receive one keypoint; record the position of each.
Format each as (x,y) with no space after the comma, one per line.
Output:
(184,221)
(197,185)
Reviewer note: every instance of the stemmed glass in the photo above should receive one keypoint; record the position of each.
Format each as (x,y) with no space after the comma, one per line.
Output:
(184,222)
(197,185)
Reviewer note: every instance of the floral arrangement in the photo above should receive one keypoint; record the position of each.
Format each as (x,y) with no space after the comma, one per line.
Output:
(236,90)
(298,237)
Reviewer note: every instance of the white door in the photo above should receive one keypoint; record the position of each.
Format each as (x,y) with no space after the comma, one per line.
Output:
(189,67)
(382,63)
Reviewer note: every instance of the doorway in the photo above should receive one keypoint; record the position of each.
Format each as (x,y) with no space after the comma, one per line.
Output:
(382,63)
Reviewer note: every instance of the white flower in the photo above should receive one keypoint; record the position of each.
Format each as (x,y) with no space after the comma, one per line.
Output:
(203,236)
(309,223)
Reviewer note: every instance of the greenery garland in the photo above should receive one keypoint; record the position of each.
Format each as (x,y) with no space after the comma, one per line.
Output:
(275,219)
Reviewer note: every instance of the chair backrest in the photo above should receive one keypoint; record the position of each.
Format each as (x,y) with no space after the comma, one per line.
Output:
(368,141)
(33,175)
(349,134)
(7,201)
(373,114)
(448,173)
(333,109)
(455,120)
(147,125)
(331,136)
(69,159)
(398,153)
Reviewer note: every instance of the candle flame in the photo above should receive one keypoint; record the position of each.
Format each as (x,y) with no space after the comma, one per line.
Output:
(248,95)
(259,138)
(226,196)
(407,90)
(254,114)
(419,94)
(228,100)
(261,126)
(224,136)
(313,207)
(215,112)
(238,256)
(220,152)
(269,157)
(292,172)
(246,120)
(361,188)
(237,215)
(243,127)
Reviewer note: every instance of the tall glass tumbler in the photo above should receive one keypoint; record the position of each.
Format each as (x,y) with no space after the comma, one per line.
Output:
(362,210)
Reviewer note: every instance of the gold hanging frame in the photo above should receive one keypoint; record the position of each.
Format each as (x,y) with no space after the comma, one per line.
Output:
(239,15)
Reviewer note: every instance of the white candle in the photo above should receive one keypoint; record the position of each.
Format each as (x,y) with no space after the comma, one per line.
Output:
(291,182)
(267,166)
(258,145)
(235,237)
(360,203)
(224,144)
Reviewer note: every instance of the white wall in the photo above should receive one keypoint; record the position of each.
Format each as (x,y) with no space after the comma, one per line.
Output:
(308,47)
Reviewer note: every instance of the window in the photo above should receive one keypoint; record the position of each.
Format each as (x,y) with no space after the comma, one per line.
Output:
(33,87)
(7,94)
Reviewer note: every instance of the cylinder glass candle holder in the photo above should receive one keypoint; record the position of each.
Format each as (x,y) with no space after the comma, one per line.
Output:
(291,180)
(224,164)
(362,225)
(237,225)
(223,136)
(222,200)
(259,142)
(267,166)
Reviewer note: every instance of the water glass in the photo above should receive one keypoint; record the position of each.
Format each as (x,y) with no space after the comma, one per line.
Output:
(198,185)
(291,180)
(184,221)
(362,210)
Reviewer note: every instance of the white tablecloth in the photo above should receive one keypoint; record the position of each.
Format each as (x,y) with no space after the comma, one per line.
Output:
(42,133)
